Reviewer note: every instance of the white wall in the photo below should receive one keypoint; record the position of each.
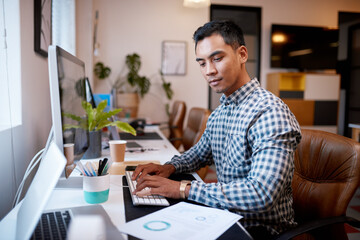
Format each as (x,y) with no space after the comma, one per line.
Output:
(141,25)
(84,34)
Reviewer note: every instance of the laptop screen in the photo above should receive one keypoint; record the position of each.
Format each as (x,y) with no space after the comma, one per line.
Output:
(34,202)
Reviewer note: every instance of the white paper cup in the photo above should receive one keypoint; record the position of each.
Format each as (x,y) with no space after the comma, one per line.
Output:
(69,153)
(96,188)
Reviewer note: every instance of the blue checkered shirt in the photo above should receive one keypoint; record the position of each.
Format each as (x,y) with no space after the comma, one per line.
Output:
(251,137)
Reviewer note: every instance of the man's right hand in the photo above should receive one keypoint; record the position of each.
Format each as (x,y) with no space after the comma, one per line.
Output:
(153,169)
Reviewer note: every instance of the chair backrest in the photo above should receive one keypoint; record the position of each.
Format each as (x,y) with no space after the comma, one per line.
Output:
(195,127)
(176,122)
(326,176)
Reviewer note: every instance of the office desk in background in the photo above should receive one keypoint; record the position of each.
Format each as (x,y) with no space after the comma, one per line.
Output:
(71,194)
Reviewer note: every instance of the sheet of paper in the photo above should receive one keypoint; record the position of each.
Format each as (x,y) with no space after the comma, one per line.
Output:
(181,221)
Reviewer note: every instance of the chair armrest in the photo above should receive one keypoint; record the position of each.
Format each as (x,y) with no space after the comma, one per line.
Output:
(168,127)
(175,139)
(316,224)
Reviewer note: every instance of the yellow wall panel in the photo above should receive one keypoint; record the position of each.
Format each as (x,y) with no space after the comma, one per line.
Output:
(292,82)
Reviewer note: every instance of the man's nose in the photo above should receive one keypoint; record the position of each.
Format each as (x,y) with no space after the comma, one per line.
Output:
(210,69)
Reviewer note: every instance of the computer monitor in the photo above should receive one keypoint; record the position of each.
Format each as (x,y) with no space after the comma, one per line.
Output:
(89,94)
(67,91)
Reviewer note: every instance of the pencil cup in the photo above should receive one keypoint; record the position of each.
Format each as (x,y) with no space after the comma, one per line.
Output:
(96,188)
(117,150)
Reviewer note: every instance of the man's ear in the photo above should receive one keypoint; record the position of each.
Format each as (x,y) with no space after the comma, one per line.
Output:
(243,54)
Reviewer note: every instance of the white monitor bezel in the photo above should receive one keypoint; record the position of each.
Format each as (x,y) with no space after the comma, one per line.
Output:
(53,52)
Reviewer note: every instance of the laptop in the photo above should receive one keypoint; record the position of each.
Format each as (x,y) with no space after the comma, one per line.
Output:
(21,222)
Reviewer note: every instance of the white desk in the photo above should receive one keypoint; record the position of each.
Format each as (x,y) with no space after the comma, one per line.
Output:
(164,153)
(73,197)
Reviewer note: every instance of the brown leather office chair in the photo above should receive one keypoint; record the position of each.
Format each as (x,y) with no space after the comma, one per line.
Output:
(195,127)
(176,122)
(327,174)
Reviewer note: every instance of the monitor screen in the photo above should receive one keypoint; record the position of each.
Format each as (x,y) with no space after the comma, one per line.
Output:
(89,94)
(68,90)
(303,47)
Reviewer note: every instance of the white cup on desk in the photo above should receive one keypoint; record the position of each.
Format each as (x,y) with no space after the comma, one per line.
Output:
(69,155)
(117,155)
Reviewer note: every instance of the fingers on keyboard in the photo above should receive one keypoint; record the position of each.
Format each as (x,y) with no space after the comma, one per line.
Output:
(144,192)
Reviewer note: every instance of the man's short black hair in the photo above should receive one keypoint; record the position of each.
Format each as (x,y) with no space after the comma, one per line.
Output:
(230,32)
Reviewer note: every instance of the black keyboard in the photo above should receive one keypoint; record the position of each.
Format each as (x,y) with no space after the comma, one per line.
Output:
(52,225)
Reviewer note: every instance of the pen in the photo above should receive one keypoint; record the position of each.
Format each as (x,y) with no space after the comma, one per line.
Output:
(99,167)
(141,150)
(102,166)
(91,170)
(88,171)
(94,167)
(80,171)
(83,168)
(106,168)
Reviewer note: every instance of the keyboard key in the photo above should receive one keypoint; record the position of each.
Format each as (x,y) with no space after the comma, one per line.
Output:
(154,200)
(52,225)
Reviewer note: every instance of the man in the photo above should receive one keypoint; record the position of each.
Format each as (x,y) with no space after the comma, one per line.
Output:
(251,137)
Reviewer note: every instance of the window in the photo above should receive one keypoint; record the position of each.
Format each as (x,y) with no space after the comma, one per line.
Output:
(10,96)
(4,90)
(10,91)
(63,25)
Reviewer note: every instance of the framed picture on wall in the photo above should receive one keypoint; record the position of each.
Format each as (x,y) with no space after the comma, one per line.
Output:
(173,58)
(42,26)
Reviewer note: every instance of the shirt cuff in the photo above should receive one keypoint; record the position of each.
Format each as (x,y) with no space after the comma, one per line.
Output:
(175,162)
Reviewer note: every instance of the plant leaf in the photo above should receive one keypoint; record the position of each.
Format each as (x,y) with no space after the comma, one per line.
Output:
(101,106)
(72,116)
(69,126)
(90,115)
(97,119)
(123,126)
(101,71)
(103,124)
(106,115)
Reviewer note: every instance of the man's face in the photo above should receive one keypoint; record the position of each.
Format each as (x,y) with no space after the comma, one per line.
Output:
(220,64)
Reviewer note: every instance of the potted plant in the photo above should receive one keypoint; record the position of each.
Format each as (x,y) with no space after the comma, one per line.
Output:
(141,84)
(168,91)
(103,72)
(131,87)
(95,120)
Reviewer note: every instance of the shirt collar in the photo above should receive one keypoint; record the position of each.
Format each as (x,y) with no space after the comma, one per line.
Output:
(237,96)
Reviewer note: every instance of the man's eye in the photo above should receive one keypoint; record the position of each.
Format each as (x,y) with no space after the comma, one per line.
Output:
(202,64)
(217,59)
